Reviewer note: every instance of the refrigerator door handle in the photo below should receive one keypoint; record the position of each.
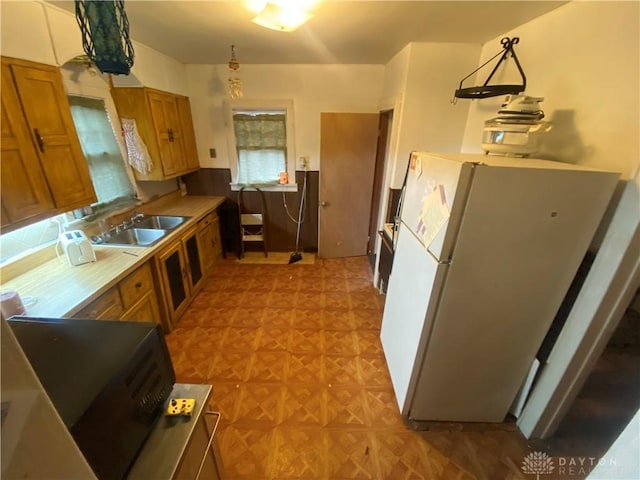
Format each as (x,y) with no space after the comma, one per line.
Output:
(437,260)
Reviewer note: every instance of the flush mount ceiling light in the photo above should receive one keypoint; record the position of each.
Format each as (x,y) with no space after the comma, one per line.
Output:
(281,15)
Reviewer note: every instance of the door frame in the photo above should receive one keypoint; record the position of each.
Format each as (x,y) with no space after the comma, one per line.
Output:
(570,362)
(394,105)
(384,127)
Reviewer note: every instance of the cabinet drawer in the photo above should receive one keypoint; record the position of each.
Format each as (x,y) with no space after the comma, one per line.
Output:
(106,307)
(207,220)
(136,285)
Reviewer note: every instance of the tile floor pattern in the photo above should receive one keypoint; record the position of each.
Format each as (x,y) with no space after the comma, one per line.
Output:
(294,356)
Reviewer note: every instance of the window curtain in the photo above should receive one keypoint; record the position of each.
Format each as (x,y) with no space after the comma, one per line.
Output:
(99,146)
(261,141)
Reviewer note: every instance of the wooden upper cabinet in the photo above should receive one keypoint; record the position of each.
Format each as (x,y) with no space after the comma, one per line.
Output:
(164,125)
(39,138)
(188,135)
(25,192)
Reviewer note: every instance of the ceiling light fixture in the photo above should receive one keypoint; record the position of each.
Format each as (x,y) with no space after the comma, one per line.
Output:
(281,15)
(235,84)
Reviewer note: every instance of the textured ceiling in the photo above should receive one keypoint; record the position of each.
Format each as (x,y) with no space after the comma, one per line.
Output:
(348,32)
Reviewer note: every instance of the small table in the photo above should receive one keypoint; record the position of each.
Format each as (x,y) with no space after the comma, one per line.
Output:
(181,447)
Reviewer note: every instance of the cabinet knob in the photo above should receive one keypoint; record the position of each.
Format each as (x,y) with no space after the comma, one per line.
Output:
(138,285)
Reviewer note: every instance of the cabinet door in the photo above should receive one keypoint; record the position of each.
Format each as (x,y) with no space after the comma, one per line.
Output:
(25,192)
(216,239)
(194,264)
(48,115)
(164,112)
(206,244)
(174,279)
(146,310)
(186,125)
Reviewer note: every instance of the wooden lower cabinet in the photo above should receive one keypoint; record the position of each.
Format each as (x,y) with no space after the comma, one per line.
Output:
(146,310)
(133,298)
(107,306)
(209,241)
(182,268)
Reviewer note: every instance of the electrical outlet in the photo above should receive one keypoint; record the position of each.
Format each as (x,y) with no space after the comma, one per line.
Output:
(212,152)
(304,162)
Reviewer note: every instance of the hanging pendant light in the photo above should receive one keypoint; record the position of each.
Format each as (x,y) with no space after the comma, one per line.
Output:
(105,35)
(235,84)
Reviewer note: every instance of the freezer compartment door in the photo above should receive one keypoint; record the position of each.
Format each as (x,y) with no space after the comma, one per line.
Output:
(434,200)
(414,280)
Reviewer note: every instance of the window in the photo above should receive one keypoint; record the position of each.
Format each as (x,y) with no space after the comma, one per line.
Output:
(263,144)
(96,135)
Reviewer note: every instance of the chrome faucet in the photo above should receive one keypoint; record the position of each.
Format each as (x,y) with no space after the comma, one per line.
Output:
(137,216)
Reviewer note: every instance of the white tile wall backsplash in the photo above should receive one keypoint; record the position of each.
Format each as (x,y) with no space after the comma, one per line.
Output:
(23,239)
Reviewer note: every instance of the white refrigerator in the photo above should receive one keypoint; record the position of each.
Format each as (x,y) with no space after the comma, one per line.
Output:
(487,247)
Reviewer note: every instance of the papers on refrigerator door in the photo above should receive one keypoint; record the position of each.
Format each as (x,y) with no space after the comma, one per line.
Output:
(433,215)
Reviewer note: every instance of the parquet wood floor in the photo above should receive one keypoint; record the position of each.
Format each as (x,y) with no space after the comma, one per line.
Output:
(294,357)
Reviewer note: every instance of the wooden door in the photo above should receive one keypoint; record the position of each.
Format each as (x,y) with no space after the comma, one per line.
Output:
(347,161)
(25,192)
(48,115)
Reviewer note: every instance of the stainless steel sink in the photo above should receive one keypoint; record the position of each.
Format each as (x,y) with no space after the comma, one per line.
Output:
(134,237)
(142,231)
(160,222)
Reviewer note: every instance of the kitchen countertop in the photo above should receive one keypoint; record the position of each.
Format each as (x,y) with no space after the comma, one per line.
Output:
(61,290)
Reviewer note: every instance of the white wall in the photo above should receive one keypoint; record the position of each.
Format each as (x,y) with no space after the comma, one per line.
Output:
(431,122)
(425,76)
(54,38)
(583,58)
(38,31)
(419,82)
(313,89)
(24,32)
